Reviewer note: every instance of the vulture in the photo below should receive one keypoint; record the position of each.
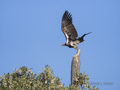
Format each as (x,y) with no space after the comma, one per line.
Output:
(67,27)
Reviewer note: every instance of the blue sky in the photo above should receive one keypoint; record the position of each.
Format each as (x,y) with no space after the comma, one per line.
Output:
(30,35)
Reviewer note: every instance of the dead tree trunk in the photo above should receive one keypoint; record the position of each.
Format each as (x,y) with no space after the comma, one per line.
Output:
(75,67)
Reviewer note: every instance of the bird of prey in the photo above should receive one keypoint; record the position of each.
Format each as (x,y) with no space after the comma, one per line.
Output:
(70,32)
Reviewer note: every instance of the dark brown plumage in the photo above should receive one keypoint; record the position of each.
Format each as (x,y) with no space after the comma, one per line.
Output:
(68,27)
(70,32)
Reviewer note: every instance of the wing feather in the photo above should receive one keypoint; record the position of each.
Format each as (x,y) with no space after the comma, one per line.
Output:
(67,27)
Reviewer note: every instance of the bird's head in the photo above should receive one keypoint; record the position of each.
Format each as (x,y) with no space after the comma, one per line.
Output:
(64,44)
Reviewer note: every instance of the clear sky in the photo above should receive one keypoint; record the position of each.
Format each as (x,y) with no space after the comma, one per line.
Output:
(30,35)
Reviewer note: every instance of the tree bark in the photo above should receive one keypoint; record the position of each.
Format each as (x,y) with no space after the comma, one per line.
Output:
(75,67)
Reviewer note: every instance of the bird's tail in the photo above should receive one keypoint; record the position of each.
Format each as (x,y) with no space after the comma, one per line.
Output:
(81,39)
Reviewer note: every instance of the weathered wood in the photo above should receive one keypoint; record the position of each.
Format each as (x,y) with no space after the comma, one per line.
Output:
(75,67)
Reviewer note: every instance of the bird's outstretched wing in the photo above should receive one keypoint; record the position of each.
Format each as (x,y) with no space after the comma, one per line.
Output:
(67,27)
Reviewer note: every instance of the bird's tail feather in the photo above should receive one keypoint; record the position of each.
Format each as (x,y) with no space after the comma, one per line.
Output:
(81,39)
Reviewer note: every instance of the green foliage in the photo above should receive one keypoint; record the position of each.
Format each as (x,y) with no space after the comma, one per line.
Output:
(82,81)
(25,79)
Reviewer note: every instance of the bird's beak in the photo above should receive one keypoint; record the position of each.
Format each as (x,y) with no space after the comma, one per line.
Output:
(62,44)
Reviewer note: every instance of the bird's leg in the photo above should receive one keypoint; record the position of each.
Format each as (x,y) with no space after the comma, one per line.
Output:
(76,48)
